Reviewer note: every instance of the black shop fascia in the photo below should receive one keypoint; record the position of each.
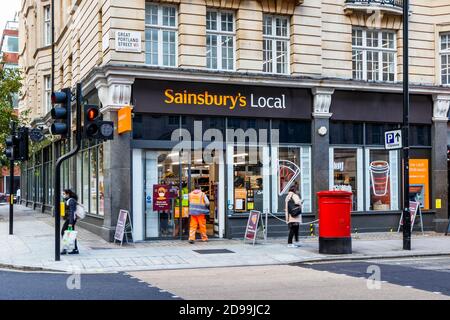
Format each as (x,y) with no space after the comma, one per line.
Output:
(211,99)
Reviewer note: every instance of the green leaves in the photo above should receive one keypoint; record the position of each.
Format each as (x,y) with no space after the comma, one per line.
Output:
(10,84)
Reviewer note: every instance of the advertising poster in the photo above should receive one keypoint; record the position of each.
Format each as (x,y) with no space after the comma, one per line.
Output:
(413,209)
(380,182)
(161,197)
(419,181)
(240,196)
(252,225)
(121,223)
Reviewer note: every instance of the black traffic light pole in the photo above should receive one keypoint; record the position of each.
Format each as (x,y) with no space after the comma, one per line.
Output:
(11,186)
(57,182)
(406,213)
(11,197)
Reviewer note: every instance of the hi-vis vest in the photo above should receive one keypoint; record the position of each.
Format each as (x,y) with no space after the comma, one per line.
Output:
(197,204)
(184,198)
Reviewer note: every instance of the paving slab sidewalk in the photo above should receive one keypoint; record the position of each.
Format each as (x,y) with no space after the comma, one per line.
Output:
(32,248)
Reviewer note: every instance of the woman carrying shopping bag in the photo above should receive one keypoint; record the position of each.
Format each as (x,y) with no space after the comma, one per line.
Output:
(70,199)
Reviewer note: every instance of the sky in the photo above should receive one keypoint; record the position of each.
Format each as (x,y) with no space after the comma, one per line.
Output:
(7,10)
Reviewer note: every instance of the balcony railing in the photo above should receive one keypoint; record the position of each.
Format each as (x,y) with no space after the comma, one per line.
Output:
(392,6)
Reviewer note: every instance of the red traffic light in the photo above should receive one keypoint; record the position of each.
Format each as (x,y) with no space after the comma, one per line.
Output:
(92,114)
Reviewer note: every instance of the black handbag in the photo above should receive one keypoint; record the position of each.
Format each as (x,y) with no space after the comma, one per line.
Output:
(293,209)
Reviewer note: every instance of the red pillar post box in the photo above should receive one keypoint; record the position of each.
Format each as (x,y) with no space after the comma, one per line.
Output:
(335,222)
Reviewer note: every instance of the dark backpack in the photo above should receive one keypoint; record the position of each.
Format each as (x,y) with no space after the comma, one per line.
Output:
(293,209)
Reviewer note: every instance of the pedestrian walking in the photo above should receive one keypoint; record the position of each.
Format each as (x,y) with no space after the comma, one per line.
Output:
(70,199)
(198,209)
(293,209)
(18,196)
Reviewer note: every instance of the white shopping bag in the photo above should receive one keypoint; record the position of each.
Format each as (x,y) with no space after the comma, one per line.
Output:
(68,240)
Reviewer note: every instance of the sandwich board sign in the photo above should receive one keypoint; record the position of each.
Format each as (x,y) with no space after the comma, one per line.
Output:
(251,230)
(414,209)
(123,227)
(393,140)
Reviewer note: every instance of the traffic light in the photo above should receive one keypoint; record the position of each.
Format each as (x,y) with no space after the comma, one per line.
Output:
(61,112)
(94,126)
(23,138)
(12,148)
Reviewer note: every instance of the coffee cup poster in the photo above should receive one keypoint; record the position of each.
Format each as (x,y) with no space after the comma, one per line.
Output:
(380,176)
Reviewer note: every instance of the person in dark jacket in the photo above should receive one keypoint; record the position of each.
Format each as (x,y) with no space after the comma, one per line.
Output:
(70,199)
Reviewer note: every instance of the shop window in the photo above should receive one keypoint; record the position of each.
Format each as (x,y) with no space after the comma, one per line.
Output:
(246,123)
(382,180)
(419,181)
(346,133)
(101,182)
(290,131)
(153,127)
(90,179)
(420,135)
(249,174)
(375,132)
(85,178)
(292,168)
(93,183)
(205,123)
(174,120)
(48,175)
(346,169)
(161,35)
(220,38)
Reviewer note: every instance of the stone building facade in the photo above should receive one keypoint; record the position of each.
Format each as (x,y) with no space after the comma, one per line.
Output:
(335,64)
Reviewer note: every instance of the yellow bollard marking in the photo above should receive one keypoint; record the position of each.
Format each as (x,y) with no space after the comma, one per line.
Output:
(62,209)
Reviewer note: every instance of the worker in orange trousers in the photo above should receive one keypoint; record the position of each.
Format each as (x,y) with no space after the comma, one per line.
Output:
(198,209)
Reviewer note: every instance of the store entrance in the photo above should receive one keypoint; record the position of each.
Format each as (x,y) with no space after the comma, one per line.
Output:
(169,179)
(206,177)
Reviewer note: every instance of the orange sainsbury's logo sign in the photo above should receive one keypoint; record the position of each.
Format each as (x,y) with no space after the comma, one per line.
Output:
(230,102)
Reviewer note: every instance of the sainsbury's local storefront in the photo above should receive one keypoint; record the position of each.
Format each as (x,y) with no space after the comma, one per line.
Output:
(247,145)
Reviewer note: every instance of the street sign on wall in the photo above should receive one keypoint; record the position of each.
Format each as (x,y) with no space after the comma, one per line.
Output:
(393,140)
(128,41)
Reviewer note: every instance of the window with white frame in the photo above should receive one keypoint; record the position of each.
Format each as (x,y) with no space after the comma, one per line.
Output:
(445,59)
(47,26)
(275,44)
(220,38)
(160,35)
(374,55)
(47,93)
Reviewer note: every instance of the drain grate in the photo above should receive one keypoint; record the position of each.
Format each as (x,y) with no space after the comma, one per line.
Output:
(213,251)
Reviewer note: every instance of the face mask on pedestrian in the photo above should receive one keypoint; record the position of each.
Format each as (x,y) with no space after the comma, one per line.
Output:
(65,196)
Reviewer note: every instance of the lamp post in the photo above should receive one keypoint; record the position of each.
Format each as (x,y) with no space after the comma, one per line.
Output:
(406,213)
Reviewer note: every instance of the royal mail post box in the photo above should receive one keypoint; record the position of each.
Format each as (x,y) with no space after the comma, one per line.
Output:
(335,222)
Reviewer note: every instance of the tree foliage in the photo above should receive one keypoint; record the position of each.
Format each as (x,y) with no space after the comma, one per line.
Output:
(10,84)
